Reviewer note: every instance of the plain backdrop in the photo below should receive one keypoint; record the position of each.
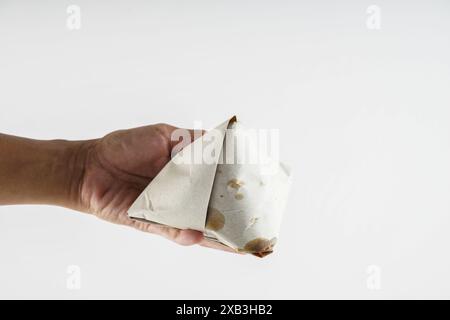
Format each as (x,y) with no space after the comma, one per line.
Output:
(363,115)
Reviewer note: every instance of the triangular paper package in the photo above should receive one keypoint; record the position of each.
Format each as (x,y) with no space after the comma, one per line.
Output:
(229,198)
(178,196)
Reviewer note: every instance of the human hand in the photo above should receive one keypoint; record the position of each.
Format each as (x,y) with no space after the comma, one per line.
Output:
(118,167)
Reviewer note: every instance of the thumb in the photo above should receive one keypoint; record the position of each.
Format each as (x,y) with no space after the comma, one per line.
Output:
(181,137)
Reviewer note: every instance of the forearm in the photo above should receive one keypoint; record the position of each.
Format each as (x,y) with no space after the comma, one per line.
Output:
(40,172)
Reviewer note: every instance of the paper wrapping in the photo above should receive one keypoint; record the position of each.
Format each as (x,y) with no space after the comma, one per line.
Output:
(230,199)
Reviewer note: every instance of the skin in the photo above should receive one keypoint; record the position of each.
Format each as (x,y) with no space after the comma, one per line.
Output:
(101,177)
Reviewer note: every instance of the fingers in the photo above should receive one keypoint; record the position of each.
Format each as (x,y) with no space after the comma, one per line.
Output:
(179,137)
(181,237)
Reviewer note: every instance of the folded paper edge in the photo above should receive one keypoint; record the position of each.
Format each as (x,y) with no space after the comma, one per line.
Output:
(133,213)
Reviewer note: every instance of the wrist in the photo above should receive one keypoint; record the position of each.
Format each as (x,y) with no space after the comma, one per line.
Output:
(70,166)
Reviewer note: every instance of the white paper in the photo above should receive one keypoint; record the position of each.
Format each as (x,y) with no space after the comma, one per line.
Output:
(248,199)
(238,204)
(178,196)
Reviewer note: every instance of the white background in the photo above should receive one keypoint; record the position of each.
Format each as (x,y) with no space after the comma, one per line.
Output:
(364,119)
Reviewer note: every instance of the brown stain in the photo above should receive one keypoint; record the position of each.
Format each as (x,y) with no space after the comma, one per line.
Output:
(235,184)
(262,254)
(239,196)
(215,220)
(260,247)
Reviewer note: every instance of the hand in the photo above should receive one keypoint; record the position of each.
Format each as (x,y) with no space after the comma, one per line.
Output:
(118,167)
